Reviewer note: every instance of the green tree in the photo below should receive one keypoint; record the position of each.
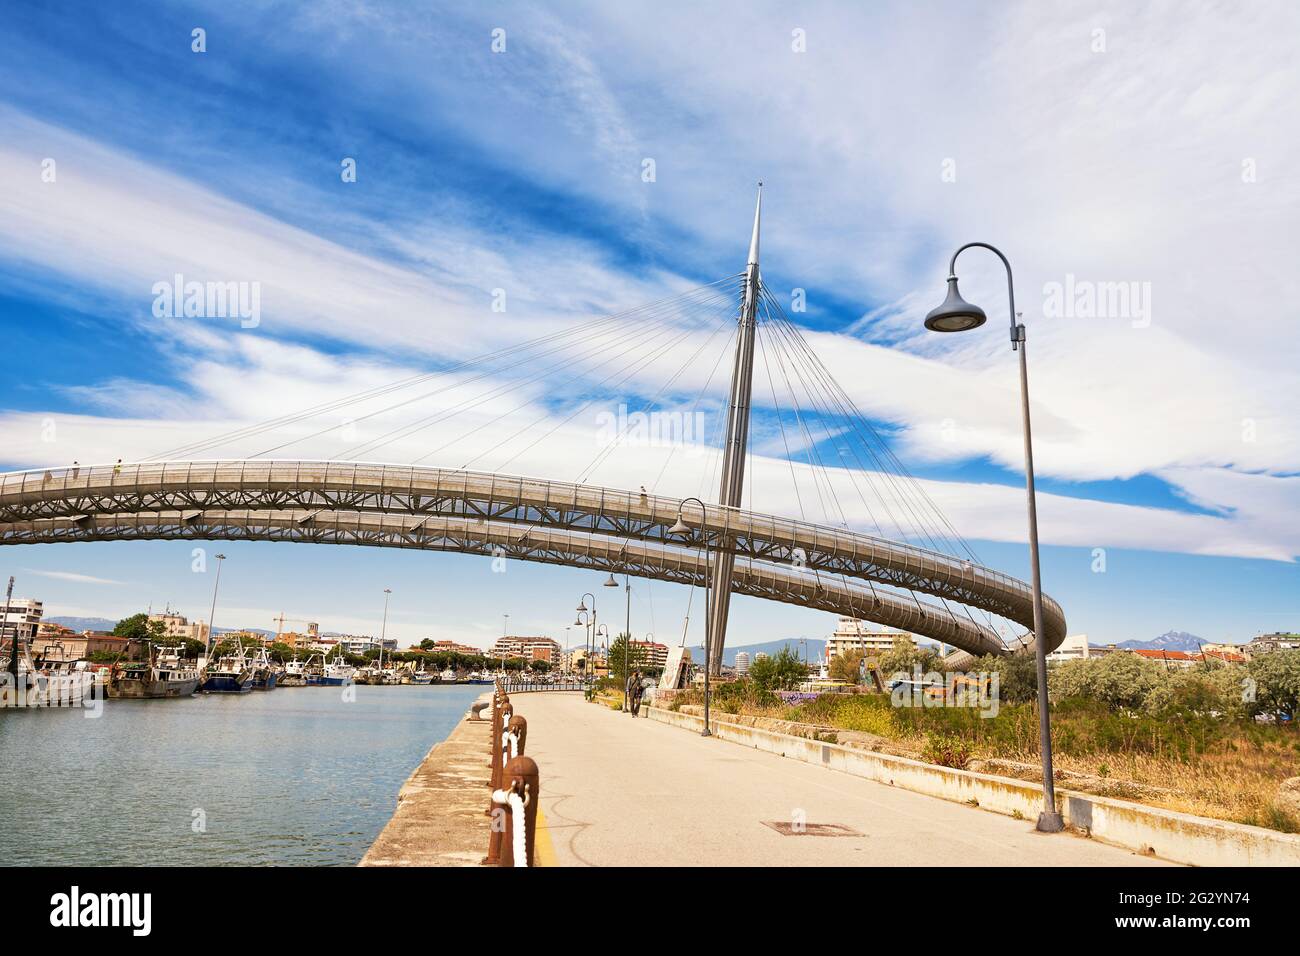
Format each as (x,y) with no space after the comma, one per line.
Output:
(1277,682)
(636,658)
(541,667)
(1017,676)
(1221,692)
(135,627)
(782,671)
(1116,680)
(847,666)
(905,656)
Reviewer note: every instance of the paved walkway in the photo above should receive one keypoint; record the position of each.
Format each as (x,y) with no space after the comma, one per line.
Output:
(618,791)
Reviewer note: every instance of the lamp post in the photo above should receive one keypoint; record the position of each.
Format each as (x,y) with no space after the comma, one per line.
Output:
(958,315)
(680,527)
(207,651)
(627,640)
(595,634)
(582,607)
(583,620)
(383,632)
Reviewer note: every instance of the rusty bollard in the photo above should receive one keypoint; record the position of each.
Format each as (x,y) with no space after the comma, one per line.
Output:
(516,847)
(511,745)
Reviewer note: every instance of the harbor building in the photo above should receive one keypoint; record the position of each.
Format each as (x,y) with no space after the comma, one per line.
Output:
(1073,648)
(177,628)
(21,617)
(851,635)
(529,648)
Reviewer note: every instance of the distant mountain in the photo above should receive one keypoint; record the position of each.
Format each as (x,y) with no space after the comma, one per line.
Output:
(84,623)
(1169,641)
(811,647)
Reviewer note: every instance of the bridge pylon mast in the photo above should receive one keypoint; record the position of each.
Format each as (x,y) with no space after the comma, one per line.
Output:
(735,448)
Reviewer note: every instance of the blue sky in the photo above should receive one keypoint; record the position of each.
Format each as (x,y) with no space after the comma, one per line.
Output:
(1096,147)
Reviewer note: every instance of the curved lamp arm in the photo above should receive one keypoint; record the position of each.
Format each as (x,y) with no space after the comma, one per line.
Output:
(1017,330)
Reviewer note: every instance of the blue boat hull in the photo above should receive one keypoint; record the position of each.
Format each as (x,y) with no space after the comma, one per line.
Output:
(265,683)
(224,684)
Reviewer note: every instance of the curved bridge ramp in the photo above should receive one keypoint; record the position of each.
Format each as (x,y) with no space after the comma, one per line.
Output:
(795,562)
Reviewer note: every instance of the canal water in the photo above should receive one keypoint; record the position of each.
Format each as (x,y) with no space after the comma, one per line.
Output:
(294,776)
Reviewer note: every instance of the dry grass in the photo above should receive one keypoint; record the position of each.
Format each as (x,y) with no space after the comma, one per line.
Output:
(1227,772)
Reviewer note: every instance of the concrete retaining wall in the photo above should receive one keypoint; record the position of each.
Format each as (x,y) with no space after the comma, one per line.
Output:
(1179,837)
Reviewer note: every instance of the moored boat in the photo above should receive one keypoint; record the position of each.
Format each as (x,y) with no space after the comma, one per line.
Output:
(231,674)
(164,674)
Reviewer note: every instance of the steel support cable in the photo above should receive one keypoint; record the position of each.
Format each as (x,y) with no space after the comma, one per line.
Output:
(849,416)
(610,446)
(760,329)
(917,518)
(401,431)
(633,368)
(591,349)
(823,399)
(470,402)
(585,328)
(816,467)
(794,480)
(823,410)
(859,421)
(727,347)
(814,463)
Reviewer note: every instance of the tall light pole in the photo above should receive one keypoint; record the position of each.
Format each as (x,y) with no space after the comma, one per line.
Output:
(680,527)
(207,651)
(958,315)
(627,640)
(383,630)
(591,626)
(4,626)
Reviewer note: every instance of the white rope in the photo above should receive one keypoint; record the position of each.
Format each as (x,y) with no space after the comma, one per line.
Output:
(518,823)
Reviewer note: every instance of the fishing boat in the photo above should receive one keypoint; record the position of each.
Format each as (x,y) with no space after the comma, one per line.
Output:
(164,674)
(481,677)
(231,674)
(266,673)
(296,672)
(422,676)
(45,683)
(449,676)
(337,672)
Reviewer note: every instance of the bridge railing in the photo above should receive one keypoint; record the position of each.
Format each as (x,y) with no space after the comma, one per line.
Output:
(542,687)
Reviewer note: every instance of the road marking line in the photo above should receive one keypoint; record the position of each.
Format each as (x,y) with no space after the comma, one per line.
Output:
(543,848)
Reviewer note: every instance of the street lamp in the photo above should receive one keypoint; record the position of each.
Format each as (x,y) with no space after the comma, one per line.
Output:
(383,632)
(582,606)
(958,315)
(627,639)
(583,620)
(207,651)
(680,527)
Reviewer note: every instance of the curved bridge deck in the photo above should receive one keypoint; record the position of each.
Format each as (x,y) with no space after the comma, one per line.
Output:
(780,559)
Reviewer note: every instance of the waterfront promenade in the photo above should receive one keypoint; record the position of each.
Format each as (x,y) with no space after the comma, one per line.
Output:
(619,791)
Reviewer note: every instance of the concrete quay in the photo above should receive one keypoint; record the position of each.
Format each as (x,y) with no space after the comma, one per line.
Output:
(439,819)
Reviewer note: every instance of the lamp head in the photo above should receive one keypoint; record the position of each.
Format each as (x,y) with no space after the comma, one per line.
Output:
(955,314)
(611,583)
(680,526)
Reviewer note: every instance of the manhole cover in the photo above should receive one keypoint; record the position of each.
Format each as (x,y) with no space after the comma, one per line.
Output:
(786,828)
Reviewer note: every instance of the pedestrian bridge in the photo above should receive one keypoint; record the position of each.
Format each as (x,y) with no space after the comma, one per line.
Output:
(529,519)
